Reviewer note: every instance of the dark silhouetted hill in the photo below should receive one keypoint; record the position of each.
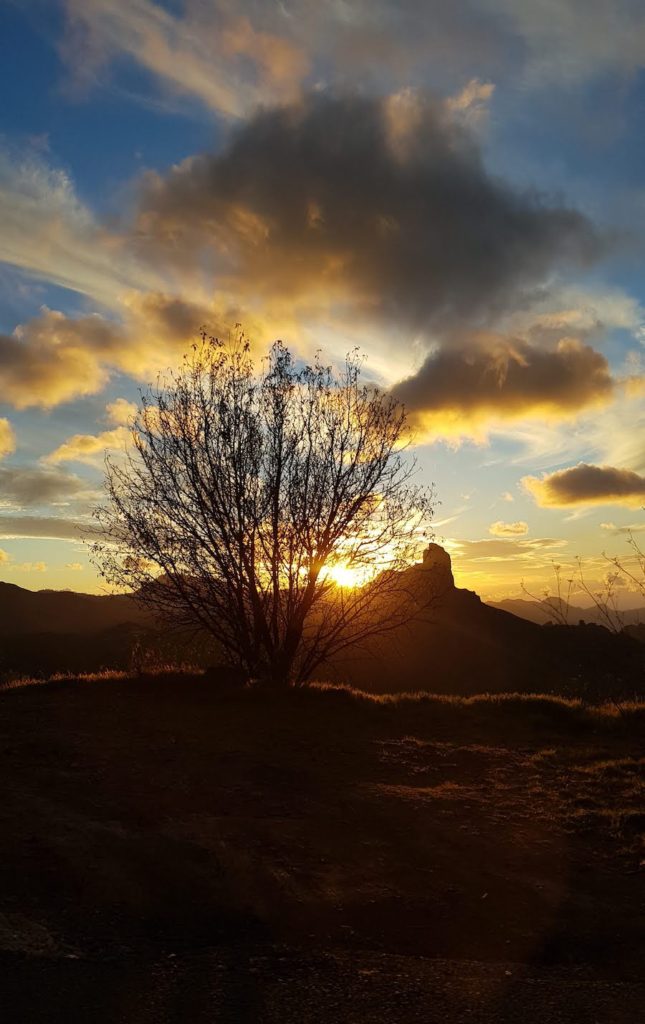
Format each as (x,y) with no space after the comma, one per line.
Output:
(456,644)
(49,631)
(462,645)
(63,611)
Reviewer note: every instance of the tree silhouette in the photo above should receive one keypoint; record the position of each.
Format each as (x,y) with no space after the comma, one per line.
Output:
(247,494)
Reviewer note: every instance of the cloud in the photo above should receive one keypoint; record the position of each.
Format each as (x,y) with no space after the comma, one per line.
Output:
(618,530)
(213,53)
(4,557)
(472,102)
(575,40)
(233,56)
(456,390)
(335,209)
(507,496)
(587,485)
(325,202)
(88,448)
(74,566)
(54,358)
(91,448)
(36,527)
(49,233)
(7,438)
(120,412)
(483,551)
(31,567)
(501,529)
(25,486)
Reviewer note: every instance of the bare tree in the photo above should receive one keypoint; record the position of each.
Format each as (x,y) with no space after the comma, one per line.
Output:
(554,605)
(247,497)
(555,602)
(631,568)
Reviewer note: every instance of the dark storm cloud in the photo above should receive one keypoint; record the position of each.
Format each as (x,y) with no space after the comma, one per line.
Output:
(587,485)
(383,204)
(508,377)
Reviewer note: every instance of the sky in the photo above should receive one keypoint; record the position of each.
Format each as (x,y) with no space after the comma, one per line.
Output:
(458,189)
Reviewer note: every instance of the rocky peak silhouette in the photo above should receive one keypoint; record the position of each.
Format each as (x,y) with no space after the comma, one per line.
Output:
(437,561)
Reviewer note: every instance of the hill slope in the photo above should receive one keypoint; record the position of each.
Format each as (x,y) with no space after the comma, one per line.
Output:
(458,645)
(63,611)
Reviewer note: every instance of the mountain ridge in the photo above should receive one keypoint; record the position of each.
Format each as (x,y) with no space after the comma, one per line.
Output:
(460,645)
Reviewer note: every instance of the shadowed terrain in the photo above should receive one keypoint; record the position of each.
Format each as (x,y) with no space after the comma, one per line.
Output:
(456,644)
(168,852)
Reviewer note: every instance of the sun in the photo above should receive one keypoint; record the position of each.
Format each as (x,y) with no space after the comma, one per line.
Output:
(343,575)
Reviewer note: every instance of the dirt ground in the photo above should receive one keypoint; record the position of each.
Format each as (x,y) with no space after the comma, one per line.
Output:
(171,854)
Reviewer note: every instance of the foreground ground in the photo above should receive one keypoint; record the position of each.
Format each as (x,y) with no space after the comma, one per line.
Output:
(171,854)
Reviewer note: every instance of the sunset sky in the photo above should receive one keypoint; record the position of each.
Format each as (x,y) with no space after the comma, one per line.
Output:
(457,188)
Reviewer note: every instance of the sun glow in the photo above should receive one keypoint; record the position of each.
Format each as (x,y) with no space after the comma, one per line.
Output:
(344,575)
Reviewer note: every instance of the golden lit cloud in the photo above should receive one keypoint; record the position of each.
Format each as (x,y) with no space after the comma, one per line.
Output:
(472,102)
(7,438)
(91,448)
(295,231)
(234,56)
(88,448)
(55,358)
(457,392)
(120,412)
(501,560)
(4,557)
(502,529)
(586,484)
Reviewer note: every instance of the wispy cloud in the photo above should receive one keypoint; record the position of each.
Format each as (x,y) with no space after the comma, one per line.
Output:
(211,53)
(40,527)
(618,531)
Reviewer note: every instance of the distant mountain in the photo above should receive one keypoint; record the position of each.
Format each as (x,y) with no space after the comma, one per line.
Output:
(62,611)
(49,631)
(542,612)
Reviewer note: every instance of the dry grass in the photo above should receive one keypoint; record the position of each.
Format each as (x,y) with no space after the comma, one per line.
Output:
(533,711)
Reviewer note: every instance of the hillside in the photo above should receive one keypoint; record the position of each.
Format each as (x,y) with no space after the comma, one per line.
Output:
(461,645)
(458,644)
(63,611)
